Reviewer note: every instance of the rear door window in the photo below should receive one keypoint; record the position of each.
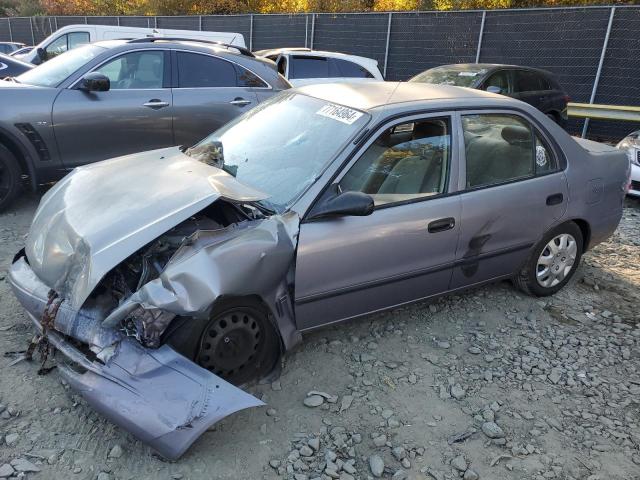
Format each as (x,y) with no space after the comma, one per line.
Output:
(526,81)
(501,148)
(308,67)
(204,71)
(498,149)
(344,68)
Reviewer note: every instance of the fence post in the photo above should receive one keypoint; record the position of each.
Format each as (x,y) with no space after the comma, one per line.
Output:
(55,22)
(200,22)
(251,32)
(10,31)
(313,28)
(306,29)
(118,20)
(155,22)
(484,14)
(585,126)
(33,37)
(386,48)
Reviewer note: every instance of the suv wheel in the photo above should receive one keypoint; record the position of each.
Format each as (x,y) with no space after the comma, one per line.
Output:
(10,177)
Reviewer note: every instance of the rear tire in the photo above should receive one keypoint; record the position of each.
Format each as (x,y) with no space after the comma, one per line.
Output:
(552,262)
(10,178)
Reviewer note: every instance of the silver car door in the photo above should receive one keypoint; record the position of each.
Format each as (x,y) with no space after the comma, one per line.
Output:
(209,92)
(404,250)
(133,116)
(515,190)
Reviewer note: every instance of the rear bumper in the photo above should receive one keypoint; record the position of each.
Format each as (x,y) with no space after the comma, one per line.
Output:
(159,396)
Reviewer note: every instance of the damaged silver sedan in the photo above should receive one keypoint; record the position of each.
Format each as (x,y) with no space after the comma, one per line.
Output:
(169,278)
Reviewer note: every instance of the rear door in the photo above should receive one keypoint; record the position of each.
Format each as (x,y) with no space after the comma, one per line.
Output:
(514,191)
(528,87)
(133,116)
(208,92)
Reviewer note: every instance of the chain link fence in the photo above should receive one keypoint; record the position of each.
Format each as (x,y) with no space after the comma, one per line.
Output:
(594,51)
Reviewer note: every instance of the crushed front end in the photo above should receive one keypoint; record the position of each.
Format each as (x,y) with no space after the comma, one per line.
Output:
(159,396)
(108,266)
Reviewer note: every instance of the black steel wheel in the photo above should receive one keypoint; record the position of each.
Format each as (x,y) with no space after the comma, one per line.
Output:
(238,344)
(10,177)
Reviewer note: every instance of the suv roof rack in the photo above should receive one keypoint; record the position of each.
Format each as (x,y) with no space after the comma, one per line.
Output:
(243,51)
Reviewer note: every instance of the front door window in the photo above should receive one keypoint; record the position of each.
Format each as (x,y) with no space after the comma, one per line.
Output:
(406,162)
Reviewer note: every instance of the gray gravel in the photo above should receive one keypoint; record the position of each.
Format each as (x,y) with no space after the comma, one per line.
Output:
(485,384)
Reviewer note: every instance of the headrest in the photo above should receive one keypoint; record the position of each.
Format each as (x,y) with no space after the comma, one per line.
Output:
(514,135)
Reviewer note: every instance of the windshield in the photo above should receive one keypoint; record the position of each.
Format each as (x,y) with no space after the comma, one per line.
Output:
(459,77)
(282,145)
(51,73)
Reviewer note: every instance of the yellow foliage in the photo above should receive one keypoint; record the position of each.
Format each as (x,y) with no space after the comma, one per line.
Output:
(396,5)
(204,7)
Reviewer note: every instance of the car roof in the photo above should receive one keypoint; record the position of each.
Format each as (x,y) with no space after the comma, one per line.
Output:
(474,67)
(373,94)
(195,44)
(306,52)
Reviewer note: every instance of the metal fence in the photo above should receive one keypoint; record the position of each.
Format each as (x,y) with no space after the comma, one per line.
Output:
(594,51)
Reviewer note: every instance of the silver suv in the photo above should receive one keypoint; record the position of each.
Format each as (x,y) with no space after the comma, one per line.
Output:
(117,97)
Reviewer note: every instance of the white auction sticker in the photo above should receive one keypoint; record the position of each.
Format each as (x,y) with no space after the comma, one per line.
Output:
(468,74)
(342,114)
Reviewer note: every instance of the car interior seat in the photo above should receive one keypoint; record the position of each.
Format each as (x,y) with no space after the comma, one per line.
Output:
(419,171)
(149,72)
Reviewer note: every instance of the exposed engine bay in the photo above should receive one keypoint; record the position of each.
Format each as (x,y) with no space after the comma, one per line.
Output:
(149,262)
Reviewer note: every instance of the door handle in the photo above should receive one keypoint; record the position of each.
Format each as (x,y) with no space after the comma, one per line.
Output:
(240,102)
(441,225)
(156,104)
(555,199)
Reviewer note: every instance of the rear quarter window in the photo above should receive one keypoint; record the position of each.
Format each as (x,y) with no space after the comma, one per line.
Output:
(345,68)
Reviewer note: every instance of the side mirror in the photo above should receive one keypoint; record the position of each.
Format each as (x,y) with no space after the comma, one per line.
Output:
(42,54)
(344,204)
(494,89)
(95,82)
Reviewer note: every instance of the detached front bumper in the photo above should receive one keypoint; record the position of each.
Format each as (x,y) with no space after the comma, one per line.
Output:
(159,396)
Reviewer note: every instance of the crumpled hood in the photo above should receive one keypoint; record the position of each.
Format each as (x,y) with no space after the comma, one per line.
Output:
(100,214)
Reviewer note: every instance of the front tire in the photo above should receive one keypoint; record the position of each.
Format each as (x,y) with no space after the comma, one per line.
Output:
(238,342)
(10,178)
(552,262)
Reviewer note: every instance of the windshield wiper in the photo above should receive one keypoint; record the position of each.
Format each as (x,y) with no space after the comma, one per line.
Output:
(11,79)
(265,207)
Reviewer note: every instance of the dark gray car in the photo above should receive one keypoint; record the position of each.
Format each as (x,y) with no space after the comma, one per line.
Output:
(534,86)
(113,98)
(164,279)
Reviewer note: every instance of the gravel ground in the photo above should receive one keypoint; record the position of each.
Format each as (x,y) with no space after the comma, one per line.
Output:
(488,384)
